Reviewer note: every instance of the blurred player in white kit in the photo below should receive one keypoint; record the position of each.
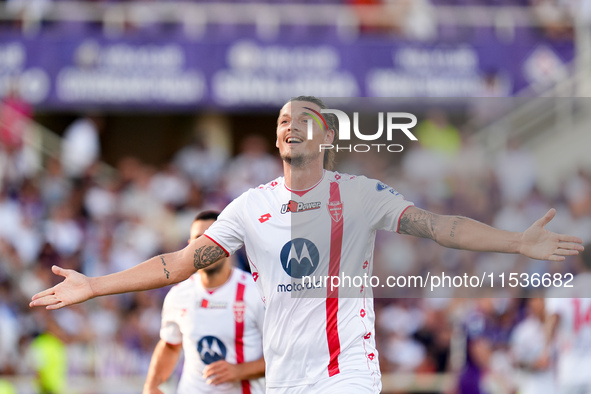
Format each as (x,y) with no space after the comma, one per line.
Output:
(570,328)
(226,354)
(325,344)
(529,352)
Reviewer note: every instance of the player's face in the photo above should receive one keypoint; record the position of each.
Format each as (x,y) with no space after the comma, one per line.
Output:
(292,134)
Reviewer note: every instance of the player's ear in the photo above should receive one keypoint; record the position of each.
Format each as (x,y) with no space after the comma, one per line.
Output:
(277,143)
(329,136)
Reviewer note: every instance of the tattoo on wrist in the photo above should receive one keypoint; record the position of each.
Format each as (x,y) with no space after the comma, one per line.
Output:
(167,272)
(207,255)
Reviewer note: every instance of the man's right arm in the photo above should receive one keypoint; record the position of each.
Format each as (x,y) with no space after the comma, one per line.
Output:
(159,271)
(163,361)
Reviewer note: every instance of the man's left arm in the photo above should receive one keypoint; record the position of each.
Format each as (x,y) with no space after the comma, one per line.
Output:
(223,371)
(460,232)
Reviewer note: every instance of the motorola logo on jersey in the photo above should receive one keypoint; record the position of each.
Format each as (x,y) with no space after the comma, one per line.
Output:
(299,257)
(211,349)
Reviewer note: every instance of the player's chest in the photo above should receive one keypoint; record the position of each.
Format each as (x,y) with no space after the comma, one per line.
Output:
(209,315)
(291,236)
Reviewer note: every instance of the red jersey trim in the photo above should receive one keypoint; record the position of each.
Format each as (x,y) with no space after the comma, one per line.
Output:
(400,217)
(239,342)
(332,297)
(215,242)
(302,192)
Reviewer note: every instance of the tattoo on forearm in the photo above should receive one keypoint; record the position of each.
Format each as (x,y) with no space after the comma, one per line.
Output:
(454,225)
(207,255)
(167,272)
(419,223)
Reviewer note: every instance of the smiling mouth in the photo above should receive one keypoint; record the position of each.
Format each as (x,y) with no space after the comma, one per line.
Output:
(293,140)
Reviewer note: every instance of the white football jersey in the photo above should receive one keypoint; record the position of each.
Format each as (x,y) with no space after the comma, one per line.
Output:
(289,234)
(224,324)
(527,345)
(573,334)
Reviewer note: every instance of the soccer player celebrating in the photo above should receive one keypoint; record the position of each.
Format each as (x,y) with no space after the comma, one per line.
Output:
(324,344)
(223,354)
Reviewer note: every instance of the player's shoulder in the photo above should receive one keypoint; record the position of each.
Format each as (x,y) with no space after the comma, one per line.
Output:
(182,291)
(339,177)
(361,183)
(252,196)
(269,186)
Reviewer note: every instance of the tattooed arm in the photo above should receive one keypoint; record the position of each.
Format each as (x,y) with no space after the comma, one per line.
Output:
(159,271)
(459,232)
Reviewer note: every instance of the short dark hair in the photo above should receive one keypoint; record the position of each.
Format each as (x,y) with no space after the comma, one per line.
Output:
(207,215)
(331,122)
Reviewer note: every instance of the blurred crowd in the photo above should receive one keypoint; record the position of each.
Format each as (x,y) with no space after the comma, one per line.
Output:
(71,213)
(412,19)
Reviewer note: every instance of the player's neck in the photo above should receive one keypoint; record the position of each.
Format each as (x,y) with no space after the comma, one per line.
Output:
(302,178)
(211,281)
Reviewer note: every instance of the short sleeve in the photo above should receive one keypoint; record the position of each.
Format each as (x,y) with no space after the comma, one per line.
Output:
(170,331)
(383,204)
(228,230)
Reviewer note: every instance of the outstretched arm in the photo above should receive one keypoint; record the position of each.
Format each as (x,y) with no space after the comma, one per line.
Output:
(159,271)
(459,232)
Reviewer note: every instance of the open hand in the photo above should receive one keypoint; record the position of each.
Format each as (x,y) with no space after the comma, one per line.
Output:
(74,289)
(541,244)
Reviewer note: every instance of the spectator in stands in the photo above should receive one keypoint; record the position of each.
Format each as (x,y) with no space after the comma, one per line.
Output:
(487,330)
(81,145)
(201,164)
(15,115)
(516,172)
(49,357)
(252,167)
(436,133)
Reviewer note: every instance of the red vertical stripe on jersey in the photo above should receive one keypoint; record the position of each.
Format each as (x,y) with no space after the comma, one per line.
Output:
(240,334)
(332,299)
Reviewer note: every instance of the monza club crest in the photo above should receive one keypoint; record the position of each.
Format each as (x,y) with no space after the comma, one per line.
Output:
(335,209)
(239,307)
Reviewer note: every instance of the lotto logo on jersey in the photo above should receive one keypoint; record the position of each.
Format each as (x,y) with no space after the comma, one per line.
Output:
(211,349)
(299,257)
(295,207)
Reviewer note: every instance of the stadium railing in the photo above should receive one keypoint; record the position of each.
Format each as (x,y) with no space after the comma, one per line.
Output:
(47,144)
(548,121)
